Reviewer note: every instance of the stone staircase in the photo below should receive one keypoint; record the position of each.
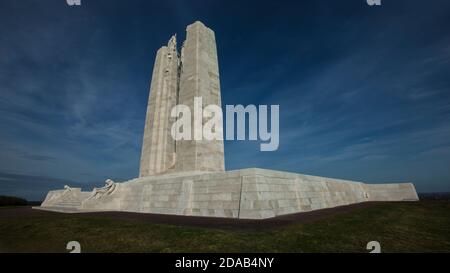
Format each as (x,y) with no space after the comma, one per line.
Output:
(60,209)
(64,206)
(65,201)
(68,204)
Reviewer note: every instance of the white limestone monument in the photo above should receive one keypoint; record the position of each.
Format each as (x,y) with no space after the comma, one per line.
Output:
(188,177)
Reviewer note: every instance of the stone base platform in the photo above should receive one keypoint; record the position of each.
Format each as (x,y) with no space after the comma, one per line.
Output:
(245,194)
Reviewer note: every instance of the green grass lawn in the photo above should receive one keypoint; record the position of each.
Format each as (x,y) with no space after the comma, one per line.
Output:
(399,227)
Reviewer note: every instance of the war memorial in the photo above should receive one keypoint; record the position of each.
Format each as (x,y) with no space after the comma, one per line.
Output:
(188,177)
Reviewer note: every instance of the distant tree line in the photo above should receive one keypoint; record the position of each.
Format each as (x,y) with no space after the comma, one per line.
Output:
(435,196)
(13,201)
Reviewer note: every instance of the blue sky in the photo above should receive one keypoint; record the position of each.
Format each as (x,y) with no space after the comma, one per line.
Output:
(364,92)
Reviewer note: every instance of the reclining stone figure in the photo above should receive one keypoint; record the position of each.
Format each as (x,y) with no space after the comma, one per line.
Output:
(106,190)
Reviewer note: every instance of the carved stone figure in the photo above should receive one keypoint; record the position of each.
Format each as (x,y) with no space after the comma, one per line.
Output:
(103,191)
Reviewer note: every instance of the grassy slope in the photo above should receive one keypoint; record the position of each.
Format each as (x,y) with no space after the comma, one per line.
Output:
(399,227)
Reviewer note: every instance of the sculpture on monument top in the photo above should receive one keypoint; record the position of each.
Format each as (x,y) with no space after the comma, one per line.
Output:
(172,44)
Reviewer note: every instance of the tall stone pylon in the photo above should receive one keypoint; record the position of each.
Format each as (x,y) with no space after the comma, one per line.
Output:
(158,148)
(178,80)
(199,78)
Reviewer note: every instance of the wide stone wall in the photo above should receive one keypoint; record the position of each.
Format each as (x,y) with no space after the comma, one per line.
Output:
(392,192)
(269,193)
(246,194)
(208,194)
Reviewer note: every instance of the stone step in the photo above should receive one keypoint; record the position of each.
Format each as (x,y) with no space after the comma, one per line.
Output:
(59,209)
(67,204)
